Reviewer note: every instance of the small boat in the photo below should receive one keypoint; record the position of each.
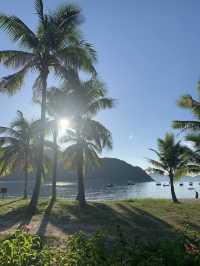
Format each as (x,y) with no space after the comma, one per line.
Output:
(165,185)
(158,184)
(190,183)
(181,184)
(130,183)
(110,185)
(191,188)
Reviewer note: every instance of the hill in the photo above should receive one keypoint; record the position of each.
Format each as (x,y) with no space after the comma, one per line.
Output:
(111,171)
(117,172)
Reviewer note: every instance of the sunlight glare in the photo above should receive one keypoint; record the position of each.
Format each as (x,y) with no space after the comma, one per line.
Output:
(64,123)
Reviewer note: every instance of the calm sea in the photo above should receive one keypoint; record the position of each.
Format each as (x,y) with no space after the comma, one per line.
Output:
(157,189)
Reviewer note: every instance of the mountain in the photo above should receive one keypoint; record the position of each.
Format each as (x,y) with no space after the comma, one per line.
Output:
(111,171)
(117,172)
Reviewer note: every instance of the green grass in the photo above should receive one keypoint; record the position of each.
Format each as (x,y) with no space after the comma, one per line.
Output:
(143,219)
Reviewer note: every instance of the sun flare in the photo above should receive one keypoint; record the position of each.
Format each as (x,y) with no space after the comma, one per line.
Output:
(63,124)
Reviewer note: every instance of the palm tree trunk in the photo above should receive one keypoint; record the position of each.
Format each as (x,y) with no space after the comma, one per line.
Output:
(55,162)
(81,189)
(36,191)
(26,179)
(174,198)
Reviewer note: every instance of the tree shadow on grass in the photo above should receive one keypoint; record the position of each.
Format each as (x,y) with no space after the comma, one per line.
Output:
(45,219)
(134,222)
(193,227)
(18,216)
(10,202)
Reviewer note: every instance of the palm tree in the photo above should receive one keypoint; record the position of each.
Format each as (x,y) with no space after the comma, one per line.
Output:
(188,102)
(87,139)
(53,105)
(174,160)
(83,100)
(75,98)
(18,147)
(55,46)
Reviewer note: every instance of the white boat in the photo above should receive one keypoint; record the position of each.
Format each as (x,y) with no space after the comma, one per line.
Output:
(165,185)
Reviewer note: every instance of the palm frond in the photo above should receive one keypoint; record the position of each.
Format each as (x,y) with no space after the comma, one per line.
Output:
(39,9)
(157,164)
(101,104)
(14,58)
(18,31)
(12,83)
(186,125)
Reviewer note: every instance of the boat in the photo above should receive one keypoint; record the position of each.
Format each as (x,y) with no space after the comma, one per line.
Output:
(181,184)
(190,183)
(130,183)
(165,185)
(110,185)
(191,188)
(158,184)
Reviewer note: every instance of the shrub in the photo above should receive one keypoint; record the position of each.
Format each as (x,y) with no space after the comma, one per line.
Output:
(23,249)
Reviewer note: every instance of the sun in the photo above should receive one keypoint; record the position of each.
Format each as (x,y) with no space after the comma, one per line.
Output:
(63,124)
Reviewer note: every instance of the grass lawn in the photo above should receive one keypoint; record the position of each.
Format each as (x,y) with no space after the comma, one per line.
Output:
(143,219)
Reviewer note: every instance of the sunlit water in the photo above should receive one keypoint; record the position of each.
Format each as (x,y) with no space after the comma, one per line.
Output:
(157,189)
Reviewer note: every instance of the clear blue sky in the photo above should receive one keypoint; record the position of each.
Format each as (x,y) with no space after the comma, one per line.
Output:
(149,55)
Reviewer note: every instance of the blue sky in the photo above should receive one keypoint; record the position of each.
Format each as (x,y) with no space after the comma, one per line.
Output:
(149,55)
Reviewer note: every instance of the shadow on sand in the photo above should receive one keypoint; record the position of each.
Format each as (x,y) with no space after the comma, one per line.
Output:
(134,222)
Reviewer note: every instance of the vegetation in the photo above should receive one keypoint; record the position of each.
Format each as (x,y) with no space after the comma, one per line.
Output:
(54,47)
(134,232)
(19,147)
(188,102)
(140,232)
(174,160)
(87,136)
(24,249)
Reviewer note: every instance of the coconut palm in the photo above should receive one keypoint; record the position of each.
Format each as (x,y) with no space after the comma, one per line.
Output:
(73,100)
(83,100)
(53,47)
(18,147)
(188,102)
(86,141)
(174,160)
(52,125)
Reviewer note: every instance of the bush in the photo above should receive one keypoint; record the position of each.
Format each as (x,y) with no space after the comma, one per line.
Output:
(23,249)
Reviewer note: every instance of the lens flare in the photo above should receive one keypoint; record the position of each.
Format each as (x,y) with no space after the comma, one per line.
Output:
(64,123)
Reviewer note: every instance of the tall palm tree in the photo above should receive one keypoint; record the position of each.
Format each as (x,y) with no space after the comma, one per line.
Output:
(55,46)
(174,160)
(83,100)
(86,140)
(75,99)
(52,125)
(18,147)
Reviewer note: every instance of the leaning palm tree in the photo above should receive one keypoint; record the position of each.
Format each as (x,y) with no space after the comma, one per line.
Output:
(18,147)
(174,160)
(54,46)
(85,141)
